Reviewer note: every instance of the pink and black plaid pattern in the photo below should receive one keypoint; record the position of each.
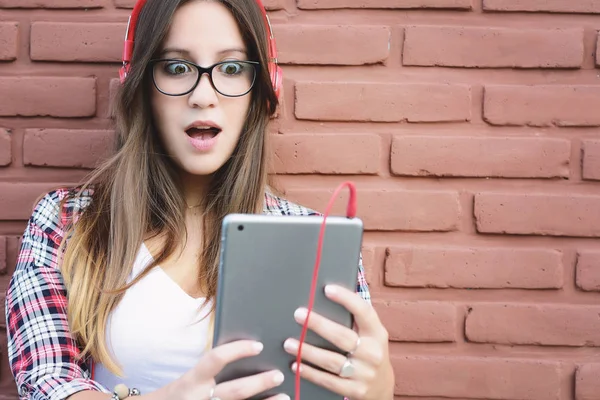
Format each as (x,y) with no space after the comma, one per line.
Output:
(42,353)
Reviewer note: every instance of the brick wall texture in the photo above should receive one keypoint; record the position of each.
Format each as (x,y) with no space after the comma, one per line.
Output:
(472,131)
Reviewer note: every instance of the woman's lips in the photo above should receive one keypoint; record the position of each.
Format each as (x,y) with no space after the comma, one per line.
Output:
(203,139)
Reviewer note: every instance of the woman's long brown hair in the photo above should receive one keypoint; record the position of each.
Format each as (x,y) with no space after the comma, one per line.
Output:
(137,192)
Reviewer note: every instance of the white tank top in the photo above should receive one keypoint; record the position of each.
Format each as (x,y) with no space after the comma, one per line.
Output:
(154,333)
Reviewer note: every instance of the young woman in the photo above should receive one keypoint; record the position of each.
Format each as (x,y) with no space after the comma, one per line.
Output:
(112,274)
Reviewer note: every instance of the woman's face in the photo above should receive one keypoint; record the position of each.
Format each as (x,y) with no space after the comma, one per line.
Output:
(200,130)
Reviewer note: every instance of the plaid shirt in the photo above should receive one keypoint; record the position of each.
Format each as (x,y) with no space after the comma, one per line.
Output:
(42,353)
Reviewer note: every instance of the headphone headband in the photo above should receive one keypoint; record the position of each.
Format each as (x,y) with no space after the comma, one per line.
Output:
(129,37)
(275,71)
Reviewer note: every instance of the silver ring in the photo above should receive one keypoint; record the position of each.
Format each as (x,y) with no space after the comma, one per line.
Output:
(347,369)
(355,347)
(211,396)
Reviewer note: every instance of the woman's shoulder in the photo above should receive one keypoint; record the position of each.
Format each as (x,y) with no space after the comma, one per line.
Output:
(61,206)
(277,205)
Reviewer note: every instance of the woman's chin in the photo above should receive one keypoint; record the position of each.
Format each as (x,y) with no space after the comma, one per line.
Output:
(202,168)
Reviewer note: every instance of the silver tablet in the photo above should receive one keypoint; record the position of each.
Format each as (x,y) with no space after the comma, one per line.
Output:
(265,274)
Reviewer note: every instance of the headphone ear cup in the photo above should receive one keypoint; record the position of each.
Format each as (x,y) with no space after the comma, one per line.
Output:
(276,78)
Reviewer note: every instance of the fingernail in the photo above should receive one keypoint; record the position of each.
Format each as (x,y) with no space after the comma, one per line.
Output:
(258,347)
(278,378)
(300,314)
(295,367)
(330,290)
(290,345)
(283,397)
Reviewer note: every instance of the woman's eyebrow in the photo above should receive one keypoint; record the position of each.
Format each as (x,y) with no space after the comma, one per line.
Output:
(175,50)
(232,50)
(188,54)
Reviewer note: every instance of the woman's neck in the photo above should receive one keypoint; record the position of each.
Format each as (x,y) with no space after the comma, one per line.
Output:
(195,188)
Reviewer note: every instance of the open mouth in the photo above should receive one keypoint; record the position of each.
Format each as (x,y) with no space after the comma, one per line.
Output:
(203,133)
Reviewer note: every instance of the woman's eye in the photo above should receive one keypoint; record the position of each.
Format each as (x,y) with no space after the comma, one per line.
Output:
(177,68)
(231,68)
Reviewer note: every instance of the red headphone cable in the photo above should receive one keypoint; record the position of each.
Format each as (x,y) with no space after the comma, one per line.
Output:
(350,213)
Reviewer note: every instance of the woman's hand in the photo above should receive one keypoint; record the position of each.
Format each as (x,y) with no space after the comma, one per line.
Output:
(366,374)
(199,382)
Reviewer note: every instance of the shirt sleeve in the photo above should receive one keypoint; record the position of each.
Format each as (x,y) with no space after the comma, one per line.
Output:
(362,288)
(42,353)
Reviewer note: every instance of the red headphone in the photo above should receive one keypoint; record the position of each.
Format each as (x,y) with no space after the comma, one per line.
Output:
(275,70)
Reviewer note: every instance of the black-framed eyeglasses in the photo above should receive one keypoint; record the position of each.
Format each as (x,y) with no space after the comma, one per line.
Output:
(174,77)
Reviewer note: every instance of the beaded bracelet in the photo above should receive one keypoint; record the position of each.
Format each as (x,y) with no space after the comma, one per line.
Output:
(121,392)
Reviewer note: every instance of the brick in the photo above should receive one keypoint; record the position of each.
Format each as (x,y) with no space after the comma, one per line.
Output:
(588,271)
(591,159)
(477,378)
(598,51)
(7,383)
(327,154)
(390,210)
(9,41)
(13,245)
(41,96)
(473,268)
(66,148)
(535,324)
(418,321)
(342,45)
(543,105)
(90,42)
(587,384)
(383,102)
(5,148)
(3,258)
(406,4)
(17,200)
(124,3)
(538,214)
(475,47)
(269,4)
(51,3)
(274,4)
(480,157)
(560,6)
(3,322)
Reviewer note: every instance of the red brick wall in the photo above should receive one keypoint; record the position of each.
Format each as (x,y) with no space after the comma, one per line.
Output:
(469,126)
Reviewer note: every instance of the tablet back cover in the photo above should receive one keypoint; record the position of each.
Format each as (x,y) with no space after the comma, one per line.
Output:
(265,274)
